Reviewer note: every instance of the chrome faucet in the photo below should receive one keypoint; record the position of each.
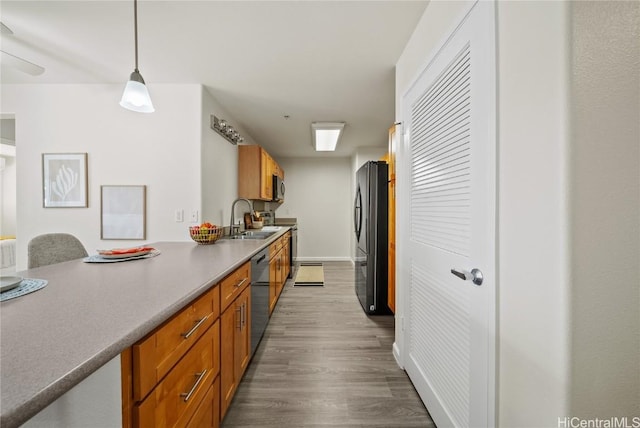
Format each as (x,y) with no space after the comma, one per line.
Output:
(233,209)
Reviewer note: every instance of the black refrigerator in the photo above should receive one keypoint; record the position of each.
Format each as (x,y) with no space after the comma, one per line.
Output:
(371,228)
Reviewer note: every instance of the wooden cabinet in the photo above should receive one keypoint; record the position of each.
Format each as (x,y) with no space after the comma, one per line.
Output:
(286,256)
(234,284)
(256,169)
(182,393)
(208,416)
(235,339)
(391,275)
(279,268)
(154,356)
(274,265)
(266,176)
(276,170)
(171,376)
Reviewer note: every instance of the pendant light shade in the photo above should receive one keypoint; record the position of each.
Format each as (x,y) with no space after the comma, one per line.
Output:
(136,96)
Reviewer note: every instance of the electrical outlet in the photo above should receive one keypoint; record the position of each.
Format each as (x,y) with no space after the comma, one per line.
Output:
(179,216)
(194,216)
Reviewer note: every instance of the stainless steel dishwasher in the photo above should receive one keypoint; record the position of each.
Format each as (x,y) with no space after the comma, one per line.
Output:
(259,297)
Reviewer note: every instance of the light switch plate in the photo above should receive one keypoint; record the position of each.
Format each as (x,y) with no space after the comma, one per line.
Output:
(179,216)
(194,216)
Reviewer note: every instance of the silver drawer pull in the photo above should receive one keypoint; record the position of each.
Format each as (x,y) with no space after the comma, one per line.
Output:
(195,327)
(241,282)
(187,395)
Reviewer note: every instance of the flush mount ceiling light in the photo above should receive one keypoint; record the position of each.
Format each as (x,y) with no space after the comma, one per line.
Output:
(136,96)
(326,135)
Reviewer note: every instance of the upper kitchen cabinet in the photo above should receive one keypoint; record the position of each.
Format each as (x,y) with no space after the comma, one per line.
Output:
(256,169)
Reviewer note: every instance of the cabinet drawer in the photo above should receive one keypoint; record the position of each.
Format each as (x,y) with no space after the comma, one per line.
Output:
(208,413)
(276,246)
(177,397)
(273,249)
(158,353)
(232,285)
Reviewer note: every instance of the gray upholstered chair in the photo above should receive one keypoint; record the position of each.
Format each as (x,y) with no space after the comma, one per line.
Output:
(53,248)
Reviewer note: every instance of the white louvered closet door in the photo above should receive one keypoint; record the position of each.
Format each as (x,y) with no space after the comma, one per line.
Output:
(449,156)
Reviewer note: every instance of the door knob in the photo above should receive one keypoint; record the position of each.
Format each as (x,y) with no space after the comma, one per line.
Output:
(474,276)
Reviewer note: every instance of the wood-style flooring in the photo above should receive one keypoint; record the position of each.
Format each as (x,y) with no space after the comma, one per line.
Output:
(324,362)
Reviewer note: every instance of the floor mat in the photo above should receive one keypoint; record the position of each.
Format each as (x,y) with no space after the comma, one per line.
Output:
(310,274)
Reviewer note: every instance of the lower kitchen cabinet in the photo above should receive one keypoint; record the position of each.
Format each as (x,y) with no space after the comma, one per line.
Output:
(208,416)
(184,391)
(279,268)
(236,346)
(172,375)
(274,263)
(286,254)
(185,373)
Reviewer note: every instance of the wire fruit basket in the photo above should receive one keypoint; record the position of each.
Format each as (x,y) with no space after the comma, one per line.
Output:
(205,235)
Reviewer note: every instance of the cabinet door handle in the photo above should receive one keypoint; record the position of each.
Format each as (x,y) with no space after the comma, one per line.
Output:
(239,318)
(241,282)
(244,315)
(187,395)
(194,328)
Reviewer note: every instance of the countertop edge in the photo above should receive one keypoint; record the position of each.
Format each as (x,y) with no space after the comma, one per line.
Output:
(18,415)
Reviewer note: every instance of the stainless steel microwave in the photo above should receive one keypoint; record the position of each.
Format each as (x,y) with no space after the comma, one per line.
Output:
(278,188)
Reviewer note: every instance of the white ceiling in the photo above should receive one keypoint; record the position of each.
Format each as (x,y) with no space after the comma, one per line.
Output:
(262,60)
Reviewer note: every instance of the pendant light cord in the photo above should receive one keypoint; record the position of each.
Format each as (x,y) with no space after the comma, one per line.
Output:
(135,29)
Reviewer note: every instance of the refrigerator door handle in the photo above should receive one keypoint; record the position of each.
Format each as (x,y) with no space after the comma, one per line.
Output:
(357,213)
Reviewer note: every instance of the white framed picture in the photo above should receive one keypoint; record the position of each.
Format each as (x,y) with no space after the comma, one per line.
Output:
(64,180)
(123,212)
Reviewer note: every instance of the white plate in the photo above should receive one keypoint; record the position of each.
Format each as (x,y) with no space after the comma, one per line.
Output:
(125,255)
(9,282)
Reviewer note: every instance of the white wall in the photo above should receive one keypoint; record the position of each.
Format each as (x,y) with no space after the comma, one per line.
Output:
(568,204)
(160,150)
(95,402)
(533,73)
(605,205)
(366,154)
(219,166)
(319,196)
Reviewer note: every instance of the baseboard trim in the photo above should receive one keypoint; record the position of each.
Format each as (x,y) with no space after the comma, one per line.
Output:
(396,354)
(322,259)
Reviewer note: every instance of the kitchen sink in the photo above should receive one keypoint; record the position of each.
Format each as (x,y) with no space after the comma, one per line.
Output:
(251,235)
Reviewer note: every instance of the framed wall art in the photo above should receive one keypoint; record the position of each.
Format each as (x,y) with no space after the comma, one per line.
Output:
(123,212)
(64,180)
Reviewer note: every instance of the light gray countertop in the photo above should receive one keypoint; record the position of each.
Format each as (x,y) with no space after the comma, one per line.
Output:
(89,313)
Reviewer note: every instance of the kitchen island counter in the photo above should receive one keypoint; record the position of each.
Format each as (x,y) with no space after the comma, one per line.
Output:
(88,313)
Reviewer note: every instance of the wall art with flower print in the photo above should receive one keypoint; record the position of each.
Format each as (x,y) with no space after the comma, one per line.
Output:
(64,180)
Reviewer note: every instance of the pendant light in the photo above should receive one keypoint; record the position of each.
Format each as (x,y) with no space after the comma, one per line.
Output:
(136,96)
